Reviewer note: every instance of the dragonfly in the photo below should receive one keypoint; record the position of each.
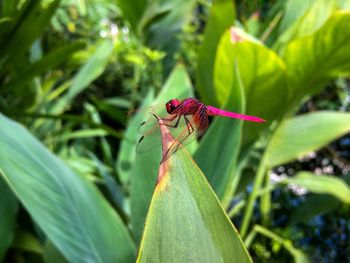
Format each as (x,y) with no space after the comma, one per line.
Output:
(186,119)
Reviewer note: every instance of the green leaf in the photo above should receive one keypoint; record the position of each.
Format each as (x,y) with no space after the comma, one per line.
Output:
(27,241)
(312,60)
(298,136)
(8,212)
(69,209)
(127,150)
(222,15)
(298,255)
(162,22)
(28,25)
(161,25)
(51,60)
(293,10)
(133,11)
(144,172)
(93,68)
(83,134)
(222,143)
(263,75)
(185,222)
(322,184)
(52,254)
(316,204)
(311,16)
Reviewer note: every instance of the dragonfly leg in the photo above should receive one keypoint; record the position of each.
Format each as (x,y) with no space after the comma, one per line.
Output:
(176,144)
(167,120)
(172,118)
(188,124)
(190,130)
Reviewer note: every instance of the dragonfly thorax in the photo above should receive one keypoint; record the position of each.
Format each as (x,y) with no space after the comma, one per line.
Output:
(172,105)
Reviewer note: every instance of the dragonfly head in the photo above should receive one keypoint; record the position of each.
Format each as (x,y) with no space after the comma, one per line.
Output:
(172,105)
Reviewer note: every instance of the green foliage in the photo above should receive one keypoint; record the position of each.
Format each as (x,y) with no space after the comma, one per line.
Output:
(144,171)
(325,47)
(8,212)
(284,146)
(71,70)
(323,185)
(298,256)
(62,201)
(317,204)
(183,205)
(222,15)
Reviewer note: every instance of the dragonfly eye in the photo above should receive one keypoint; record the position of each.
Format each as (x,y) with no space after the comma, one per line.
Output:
(172,105)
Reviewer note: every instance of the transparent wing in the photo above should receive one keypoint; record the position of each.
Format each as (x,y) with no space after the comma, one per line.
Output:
(160,110)
(184,128)
(151,138)
(196,125)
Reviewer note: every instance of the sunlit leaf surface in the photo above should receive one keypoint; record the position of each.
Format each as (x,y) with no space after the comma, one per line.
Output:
(70,210)
(305,133)
(263,76)
(185,222)
(323,184)
(312,60)
(221,17)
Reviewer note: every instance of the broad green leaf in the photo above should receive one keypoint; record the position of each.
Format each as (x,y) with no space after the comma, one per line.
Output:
(310,16)
(222,143)
(8,212)
(293,10)
(144,172)
(298,136)
(312,60)
(70,210)
(93,68)
(185,222)
(263,76)
(322,184)
(222,15)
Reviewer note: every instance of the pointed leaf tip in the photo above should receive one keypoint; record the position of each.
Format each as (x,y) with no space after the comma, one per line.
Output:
(184,205)
(236,35)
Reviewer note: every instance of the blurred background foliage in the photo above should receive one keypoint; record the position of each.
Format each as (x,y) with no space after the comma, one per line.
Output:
(71,69)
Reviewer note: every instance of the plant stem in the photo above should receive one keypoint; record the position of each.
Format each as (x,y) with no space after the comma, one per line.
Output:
(265,205)
(271,26)
(253,195)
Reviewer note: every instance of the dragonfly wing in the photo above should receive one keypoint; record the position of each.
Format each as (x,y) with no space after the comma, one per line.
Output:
(151,137)
(195,126)
(149,141)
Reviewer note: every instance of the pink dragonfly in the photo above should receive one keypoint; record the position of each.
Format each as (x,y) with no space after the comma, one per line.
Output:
(186,119)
